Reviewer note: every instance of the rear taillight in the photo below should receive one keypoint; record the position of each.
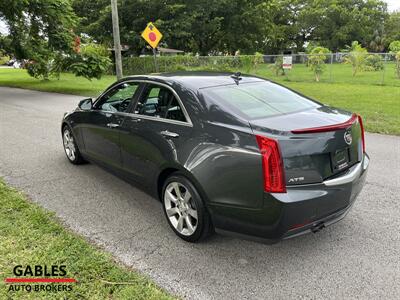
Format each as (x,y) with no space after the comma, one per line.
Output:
(362,132)
(274,177)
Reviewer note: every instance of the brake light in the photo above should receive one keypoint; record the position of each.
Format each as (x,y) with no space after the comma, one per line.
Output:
(334,127)
(362,132)
(272,164)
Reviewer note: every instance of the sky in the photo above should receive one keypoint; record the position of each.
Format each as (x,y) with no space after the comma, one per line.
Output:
(3,28)
(392,6)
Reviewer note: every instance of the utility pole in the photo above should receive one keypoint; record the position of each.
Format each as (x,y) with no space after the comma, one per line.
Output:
(117,43)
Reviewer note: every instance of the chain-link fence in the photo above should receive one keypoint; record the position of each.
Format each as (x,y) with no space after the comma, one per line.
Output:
(358,68)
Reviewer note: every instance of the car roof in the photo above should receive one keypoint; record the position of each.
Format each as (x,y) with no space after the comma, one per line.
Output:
(195,79)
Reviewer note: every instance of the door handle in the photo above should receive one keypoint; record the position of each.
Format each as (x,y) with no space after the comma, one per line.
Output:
(136,120)
(112,125)
(169,134)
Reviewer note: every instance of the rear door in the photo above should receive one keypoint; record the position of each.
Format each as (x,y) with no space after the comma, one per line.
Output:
(101,126)
(154,131)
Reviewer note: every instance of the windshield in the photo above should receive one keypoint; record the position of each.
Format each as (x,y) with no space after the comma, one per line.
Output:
(257,100)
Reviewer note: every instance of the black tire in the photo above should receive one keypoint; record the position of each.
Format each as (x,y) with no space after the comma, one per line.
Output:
(77,158)
(204,226)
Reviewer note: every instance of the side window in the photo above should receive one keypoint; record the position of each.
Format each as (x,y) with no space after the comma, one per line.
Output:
(160,102)
(119,98)
(174,111)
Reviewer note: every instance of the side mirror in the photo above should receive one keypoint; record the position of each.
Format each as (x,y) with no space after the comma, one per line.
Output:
(86,104)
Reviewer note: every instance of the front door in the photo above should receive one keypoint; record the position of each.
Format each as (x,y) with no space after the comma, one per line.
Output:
(152,133)
(102,124)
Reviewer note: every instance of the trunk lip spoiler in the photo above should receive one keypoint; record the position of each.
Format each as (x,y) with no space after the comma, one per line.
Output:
(327,128)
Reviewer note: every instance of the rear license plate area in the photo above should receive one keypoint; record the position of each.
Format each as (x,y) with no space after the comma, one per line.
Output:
(340,159)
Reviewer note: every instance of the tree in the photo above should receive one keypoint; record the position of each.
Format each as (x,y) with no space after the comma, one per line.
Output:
(355,56)
(5,44)
(378,40)
(91,16)
(38,30)
(203,26)
(336,23)
(316,61)
(392,27)
(224,26)
(394,48)
(248,26)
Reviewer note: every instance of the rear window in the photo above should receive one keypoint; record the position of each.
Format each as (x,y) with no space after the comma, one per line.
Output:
(257,100)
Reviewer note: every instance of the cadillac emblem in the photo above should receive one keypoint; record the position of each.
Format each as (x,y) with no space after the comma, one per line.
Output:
(348,137)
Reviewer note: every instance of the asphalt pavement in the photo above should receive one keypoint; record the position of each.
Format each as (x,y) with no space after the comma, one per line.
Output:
(357,258)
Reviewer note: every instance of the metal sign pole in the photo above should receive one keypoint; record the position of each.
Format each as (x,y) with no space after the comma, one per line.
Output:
(152,36)
(155,59)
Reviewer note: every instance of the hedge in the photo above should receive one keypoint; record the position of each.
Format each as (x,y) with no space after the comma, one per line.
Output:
(145,65)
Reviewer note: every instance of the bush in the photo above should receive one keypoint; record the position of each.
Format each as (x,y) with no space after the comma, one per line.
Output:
(4,58)
(146,64)
(91,62)
(257,60)
(394,46)
(316,61)
(41,61)
(398,64)
(246,62)
(143,65)
(277,67)
(59,64)
(38,69)
(40,66)
(219,63)
(373,62)
(355,56)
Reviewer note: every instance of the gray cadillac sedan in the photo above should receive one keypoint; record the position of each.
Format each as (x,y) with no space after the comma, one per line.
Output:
(224,152)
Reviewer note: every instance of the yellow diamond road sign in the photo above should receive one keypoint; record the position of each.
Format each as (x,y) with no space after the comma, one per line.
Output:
(152,35)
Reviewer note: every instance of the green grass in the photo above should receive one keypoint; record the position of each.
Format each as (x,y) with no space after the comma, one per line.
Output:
(335,73)
(68,83)
(378,104)
(31,236)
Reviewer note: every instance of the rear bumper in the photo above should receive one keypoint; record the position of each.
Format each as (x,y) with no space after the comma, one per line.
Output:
(303,209)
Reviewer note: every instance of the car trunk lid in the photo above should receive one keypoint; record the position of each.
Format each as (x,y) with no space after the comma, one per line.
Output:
(316,144)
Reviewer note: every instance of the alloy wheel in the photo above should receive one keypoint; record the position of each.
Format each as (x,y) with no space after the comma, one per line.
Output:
(69,145)
(180,208)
